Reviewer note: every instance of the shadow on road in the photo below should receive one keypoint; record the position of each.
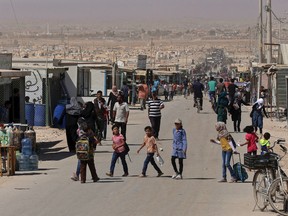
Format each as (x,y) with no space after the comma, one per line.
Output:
(199,179)
(48,153)
(205,113)
(47,145)
(110,180)
(29,173)
(54,155)
(134,144)
(104,151)
(165,139)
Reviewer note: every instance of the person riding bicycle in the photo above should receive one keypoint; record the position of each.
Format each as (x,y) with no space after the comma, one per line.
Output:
(212,88)
(198,88)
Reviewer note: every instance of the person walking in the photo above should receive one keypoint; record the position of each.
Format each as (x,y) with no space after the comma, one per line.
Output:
(251,140)
(212,88)
(235,111)
(166,90)
(171,91)
(90,162)
(119,151)
(143,94)
(155,105)
(221,108)
(121,114)
(232,90)
(258,110)
(125,92)
(150,143)
(220,87)
(179,147)
(105,118)
(185,87)
(88,113)
(100,110)
(224,139)
(112,99)
(265,143)
(198,89)
(73,111)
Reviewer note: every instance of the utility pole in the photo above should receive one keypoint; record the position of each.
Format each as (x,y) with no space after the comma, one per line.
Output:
(261,31)
(269,31)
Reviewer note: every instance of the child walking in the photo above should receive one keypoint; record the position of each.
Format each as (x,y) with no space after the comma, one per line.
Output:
(225,140)
(80,132)
(265,143)
(251,140)
(179,148)
(86,132)
(150,143)
(119,151)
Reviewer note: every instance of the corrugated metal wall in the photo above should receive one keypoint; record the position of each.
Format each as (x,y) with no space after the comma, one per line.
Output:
(281,87)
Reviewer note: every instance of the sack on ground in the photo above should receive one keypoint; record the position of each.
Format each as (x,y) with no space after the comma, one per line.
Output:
(83,148)
(160,160)
(240,172)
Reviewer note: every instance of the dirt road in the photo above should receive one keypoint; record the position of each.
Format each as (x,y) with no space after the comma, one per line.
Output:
(50,191)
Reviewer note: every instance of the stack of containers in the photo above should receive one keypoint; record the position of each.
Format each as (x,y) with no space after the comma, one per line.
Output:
(27,160)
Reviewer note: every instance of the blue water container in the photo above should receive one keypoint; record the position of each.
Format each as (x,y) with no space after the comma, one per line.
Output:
(26,146)
(59,116)
(29,113)
(39,117)
(33,160)
(24,163)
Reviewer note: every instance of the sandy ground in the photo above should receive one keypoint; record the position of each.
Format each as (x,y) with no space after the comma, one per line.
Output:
(49,191)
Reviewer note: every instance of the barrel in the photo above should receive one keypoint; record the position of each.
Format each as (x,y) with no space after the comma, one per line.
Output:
(58,116)
(39,117)
(29,113)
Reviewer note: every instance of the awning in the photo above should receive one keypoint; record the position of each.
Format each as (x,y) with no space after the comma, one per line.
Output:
(14,73)
(163,73)
(140,72)
(157,72)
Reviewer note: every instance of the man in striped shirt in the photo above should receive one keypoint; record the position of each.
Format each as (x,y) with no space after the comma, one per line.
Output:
(154,111)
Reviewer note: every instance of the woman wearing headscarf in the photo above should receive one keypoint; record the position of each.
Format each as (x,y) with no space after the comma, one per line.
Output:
(112,100)
(225,140)
(222,106)
(258,110)
(89,115)
(73,111)
(235,111)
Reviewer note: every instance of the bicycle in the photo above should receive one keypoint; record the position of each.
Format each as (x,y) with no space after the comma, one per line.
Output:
(268,172)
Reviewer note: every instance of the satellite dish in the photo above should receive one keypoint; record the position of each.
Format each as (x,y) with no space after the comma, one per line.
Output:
(120,63)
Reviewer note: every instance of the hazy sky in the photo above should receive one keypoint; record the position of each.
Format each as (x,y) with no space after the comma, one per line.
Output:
(137,10)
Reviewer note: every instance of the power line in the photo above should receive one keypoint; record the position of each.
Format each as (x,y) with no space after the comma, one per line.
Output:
(17,22)
(14,13)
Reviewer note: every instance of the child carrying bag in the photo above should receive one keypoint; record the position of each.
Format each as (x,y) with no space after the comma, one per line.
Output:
(83,148)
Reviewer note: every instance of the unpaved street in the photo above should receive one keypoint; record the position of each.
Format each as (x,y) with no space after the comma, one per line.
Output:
(50,191)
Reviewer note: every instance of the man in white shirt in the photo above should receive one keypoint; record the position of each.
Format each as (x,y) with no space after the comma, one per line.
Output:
(121,114)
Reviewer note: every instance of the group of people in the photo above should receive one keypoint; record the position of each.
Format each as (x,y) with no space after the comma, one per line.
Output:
(230,101)
(83,121)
